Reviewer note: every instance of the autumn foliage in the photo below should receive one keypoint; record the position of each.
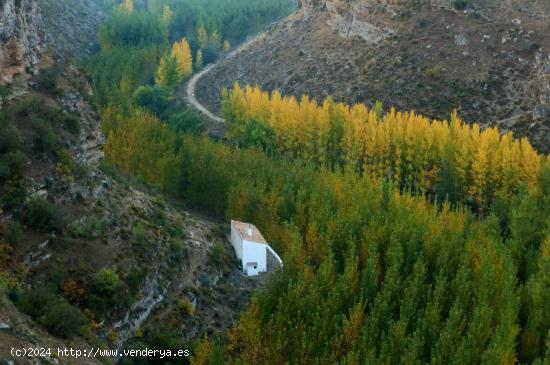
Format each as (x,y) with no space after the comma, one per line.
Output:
(451,158)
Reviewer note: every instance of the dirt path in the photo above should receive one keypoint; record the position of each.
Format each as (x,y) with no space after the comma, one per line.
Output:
(192,84)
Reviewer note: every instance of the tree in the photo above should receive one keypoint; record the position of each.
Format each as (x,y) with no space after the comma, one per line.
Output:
(127,6)
(182,53)
(214,40)
(226,46)
(199,60)
(167,15)
(202,35)
(107,282)
(168,74)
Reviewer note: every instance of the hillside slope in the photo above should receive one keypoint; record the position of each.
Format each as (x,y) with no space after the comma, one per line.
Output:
(490,62)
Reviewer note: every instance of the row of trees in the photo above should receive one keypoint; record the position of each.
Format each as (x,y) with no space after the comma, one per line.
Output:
(452,159)
(372,275)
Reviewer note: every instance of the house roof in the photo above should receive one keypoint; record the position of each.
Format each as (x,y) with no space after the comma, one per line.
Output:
(242,228)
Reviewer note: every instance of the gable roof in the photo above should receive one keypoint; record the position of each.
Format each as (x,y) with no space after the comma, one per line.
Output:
(242,228)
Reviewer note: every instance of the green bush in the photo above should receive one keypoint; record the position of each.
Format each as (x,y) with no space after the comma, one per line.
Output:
(140,239)
(47,80)
(218,253)
(11,165)
(13,234)
(35,302)
(62,319)
(71,123)
(9,138)
(44,137)
(13,194)
(43,216)
(461,4)
(107,282)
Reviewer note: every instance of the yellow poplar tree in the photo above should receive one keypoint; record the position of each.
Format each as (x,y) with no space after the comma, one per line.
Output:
(202,35)
(226,46)
(167,15)
(182,52)
(215,40)
(199,59)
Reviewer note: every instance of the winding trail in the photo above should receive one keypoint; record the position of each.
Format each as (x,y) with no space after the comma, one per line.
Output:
(192,84)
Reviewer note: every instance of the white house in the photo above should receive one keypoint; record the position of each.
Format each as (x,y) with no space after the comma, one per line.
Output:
(251,248)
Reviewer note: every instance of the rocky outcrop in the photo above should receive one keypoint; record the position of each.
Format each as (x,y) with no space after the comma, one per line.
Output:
(20,38)
(72,26)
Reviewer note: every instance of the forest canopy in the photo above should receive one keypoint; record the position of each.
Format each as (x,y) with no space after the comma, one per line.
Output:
(405,240)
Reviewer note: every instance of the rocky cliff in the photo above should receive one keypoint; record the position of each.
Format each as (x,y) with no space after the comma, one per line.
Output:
(28,28)
(20,38)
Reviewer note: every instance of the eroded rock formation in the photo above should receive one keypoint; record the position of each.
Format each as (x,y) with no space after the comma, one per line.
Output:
(20,38)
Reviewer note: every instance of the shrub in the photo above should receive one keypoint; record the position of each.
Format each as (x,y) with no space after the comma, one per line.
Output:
(71,123)
(13,194)
(43,216)
(177,252)
(140,239)
(47,80)
(185,307)
(44,137)
(135,277)
(13,234)
(35,301)
(5,255)
(11,165)
(461,4)
(217,254)
(107,282)
(9,139)
(64,320)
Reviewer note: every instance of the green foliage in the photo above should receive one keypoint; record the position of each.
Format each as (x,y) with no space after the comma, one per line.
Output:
(168,76)
(218,254)
(43,216)
(117,74)
(461,4)
(151,98)
(233,19)
(62,319)
(133,29)
(187,121)
(9,139)
(185,307)
(141,242)
(47,80)
(258,135)
(382,276)
(51,310)
(372,273)
(107,282)
(44,138)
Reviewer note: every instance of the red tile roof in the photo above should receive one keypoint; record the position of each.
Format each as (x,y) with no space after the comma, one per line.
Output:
(242,228)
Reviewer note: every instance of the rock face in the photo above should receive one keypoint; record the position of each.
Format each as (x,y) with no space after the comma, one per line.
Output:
(20,38)
(72,26)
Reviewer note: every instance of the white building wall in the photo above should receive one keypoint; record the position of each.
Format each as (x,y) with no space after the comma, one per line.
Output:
(255,252)
(236,242)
